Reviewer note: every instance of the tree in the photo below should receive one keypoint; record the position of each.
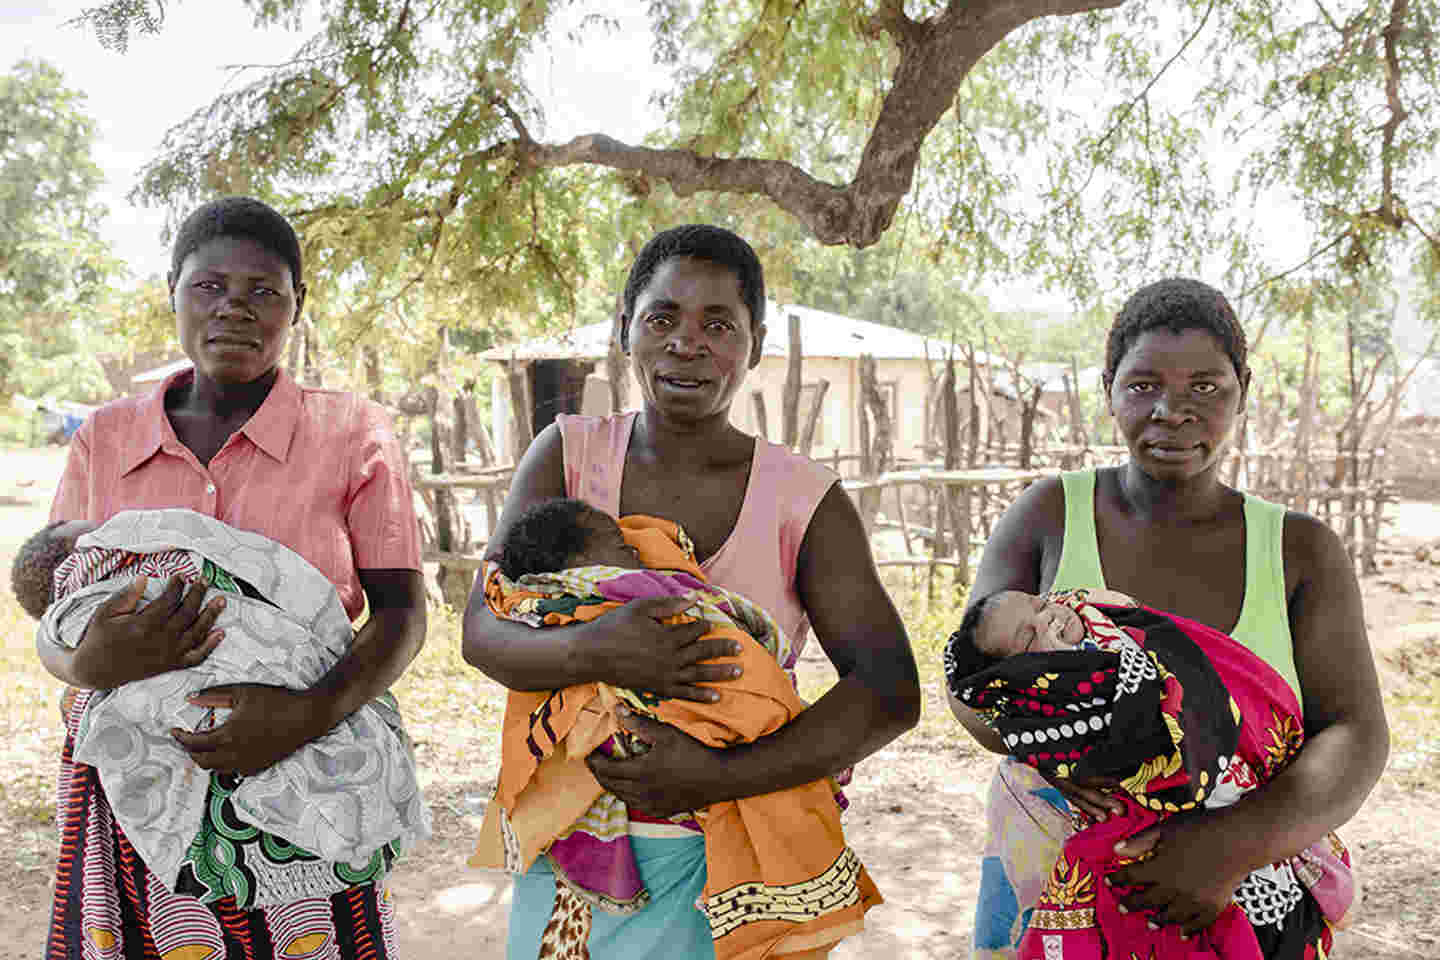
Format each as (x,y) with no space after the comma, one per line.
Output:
(1062,139)
(53,267)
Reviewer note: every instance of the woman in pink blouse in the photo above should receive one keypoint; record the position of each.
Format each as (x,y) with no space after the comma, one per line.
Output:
(766,523)
(319,471)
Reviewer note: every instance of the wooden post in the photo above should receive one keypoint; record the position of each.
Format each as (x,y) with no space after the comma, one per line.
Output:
(451,531)
(615,368)
(812,417)
(757,406)
(520,406)
(790,399)
(974,440)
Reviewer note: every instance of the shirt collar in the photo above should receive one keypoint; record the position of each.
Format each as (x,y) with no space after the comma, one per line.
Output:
(271,428)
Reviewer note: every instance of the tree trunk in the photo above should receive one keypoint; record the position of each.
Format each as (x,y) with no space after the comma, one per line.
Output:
(790,399)
(1028,411)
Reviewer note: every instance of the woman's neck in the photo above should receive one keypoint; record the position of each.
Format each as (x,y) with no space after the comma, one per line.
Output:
(694,442)
(1196,499)
(229,401)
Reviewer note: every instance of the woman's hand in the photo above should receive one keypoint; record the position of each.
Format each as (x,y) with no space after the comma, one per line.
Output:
(266,725)
(1190,879)
(1094,795)
(631,647)
(125,642)
(678,773)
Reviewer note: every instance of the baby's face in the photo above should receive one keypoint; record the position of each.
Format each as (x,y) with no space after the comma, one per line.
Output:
(1016,622)
(607,546)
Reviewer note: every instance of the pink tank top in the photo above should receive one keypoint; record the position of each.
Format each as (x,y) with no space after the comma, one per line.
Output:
(759,558)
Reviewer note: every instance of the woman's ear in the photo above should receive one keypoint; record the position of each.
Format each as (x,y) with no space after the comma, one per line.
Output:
(170,279)
(757,346)
(623,322)
(300,292)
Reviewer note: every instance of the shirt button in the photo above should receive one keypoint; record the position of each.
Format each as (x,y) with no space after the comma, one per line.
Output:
(210,488)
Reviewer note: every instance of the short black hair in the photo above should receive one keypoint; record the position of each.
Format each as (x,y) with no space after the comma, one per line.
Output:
(32,576)
(701,241)
(1177,304)
(545,537)
(237,217)
(962,657)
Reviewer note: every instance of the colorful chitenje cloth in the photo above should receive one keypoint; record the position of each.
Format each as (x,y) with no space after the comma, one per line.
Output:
(1185,718)
(779,876)
(109,906)
(333,815)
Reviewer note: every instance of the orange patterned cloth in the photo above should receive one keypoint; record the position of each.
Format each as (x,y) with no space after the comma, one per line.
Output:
(780,878)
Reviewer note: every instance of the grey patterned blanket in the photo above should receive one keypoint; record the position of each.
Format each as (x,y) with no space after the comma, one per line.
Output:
(340,798)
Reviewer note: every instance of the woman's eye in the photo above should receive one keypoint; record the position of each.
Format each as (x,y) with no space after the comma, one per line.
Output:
(209,285)
(1205,389)
(658,320)
(264,292)
(719,326)
(1140,387)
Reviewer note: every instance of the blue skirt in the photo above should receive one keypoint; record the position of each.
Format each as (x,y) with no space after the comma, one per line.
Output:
(670,926)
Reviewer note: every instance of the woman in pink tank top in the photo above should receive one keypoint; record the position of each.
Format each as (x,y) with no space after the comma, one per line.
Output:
(766,523)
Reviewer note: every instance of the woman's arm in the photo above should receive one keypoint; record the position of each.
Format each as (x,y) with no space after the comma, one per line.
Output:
(1012,561)
(270,723)
(876,699)
(628,647)
(1197,865)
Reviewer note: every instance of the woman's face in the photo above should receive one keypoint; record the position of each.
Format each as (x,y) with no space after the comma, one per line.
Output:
(1175,399)
(691,340)
(234,303)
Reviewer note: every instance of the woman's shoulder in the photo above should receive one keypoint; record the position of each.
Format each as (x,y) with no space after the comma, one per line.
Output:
(795,465)
(1310,545)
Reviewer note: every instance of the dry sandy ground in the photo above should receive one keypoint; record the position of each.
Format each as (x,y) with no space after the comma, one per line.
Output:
(916,807)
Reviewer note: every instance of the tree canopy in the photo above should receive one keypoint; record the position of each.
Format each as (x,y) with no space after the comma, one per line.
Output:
(53,265)
(1065,140)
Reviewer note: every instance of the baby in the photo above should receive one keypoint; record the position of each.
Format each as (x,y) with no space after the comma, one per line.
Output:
(1012,622)
(334,813)
(32,575)
(1178,717)
(563,561)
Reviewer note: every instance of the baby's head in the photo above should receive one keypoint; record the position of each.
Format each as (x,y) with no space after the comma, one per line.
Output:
(1011,621)
(559,534)
(32,576)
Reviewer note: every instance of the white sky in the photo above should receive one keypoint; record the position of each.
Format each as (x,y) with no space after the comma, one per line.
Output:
(137,96)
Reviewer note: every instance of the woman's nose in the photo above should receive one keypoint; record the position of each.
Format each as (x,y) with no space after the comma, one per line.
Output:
(1170,407)
(686,343)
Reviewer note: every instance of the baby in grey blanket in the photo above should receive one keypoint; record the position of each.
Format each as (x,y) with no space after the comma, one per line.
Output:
(334,813)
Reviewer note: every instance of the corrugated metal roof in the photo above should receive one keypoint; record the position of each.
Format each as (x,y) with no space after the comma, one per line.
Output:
(822,334)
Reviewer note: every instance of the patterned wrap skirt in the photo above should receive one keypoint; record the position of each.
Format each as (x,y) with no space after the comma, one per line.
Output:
(108,906)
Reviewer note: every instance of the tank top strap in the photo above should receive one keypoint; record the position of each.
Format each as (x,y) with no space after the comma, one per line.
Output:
(594,449)
(1079,546)
(1264,624)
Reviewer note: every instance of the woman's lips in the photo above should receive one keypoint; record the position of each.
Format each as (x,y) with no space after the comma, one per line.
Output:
(681,383)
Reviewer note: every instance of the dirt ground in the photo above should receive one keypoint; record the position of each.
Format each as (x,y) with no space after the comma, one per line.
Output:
(916,811)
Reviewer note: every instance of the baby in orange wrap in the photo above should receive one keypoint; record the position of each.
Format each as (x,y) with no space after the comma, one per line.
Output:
(780,880)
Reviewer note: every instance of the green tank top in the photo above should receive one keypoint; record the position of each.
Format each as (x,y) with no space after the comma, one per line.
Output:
(1264,624)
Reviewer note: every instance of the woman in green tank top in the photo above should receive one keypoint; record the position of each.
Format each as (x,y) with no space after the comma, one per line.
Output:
(1165,530)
